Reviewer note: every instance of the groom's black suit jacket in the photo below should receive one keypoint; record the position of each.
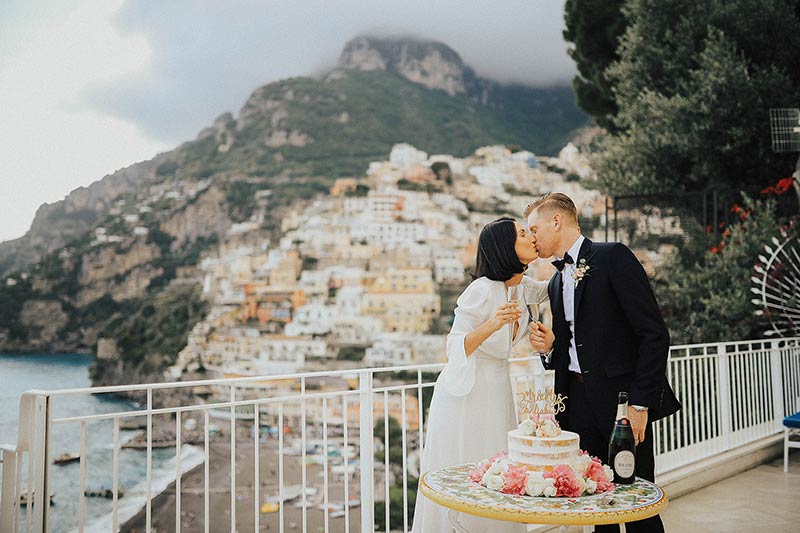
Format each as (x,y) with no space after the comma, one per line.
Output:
(620,336)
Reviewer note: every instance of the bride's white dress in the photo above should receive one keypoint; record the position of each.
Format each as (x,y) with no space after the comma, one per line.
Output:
(472,409)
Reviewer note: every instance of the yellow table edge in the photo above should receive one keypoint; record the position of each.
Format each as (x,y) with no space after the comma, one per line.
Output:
(585,518)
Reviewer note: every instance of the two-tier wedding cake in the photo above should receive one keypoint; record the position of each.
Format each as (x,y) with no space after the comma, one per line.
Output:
(542,460)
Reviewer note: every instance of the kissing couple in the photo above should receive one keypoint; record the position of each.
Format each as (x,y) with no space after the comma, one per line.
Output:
(607,336)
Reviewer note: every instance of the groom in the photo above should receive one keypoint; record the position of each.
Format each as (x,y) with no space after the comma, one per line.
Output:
(610,337)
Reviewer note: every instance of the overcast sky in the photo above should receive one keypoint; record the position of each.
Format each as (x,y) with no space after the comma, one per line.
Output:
(90,86)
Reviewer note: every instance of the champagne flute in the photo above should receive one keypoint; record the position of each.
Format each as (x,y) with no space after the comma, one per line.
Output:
(513,296)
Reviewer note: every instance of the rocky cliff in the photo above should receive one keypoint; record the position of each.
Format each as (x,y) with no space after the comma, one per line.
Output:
(431,64)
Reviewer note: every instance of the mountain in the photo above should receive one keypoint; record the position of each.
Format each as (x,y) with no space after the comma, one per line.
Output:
(381,92)
(116,259)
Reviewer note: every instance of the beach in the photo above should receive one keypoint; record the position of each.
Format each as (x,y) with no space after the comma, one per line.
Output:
(192,489)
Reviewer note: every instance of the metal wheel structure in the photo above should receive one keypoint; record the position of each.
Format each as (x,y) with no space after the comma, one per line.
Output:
(776,283)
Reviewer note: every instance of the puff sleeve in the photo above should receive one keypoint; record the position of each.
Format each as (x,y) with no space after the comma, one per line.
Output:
(535,291)
(471,311)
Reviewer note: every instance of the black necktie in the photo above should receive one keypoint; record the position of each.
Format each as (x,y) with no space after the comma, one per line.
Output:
(559,263)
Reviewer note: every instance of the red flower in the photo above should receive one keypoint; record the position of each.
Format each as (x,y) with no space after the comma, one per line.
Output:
(783,185)
(735,208)
(709,229)
(718,248)
(768,190)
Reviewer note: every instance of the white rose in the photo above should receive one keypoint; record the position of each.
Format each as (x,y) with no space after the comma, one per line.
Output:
(534,489)
(495,469)
(550,428)
(550,491)
(591,486)
(608,472)
(580,463)
(495,482)
(527,427)
(537,476)
(581,483)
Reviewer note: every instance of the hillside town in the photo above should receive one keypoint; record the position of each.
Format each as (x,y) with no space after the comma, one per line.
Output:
(359,276)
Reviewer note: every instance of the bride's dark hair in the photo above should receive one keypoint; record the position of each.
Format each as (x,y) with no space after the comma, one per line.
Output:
(497,259)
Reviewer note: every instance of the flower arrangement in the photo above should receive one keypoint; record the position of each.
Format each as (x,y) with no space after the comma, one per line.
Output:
(584,475)
(581,271)
(540,425)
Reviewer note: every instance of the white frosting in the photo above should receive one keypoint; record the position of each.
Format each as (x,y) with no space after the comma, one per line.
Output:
(543,453)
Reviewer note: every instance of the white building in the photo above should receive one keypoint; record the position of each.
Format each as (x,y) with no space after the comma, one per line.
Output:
(355,330)
(247,350)
(400,349)
(390,235)
(404,155)
(310,319)
(348,301)
(447,267)
(492,177)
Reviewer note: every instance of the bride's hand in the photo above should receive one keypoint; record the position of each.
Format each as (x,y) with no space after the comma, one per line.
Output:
(542,337)
(505,314)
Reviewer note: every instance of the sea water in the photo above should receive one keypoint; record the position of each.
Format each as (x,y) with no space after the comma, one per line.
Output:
(20,373)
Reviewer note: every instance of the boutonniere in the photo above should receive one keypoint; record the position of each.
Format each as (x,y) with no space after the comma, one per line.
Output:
(581,271)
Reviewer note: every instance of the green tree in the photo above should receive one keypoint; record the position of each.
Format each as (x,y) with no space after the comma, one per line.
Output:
(594,28)
(694,83)
(705,296)
(396,490)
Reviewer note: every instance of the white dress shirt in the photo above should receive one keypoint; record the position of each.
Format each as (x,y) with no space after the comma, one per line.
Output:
(568,296)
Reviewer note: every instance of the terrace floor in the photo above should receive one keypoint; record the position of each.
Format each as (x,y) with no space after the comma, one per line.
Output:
(762,499)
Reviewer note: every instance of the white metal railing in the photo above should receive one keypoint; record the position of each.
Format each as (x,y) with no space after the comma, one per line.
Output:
(732,394)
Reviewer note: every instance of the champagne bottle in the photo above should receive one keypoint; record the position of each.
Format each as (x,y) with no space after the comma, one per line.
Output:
(622,448)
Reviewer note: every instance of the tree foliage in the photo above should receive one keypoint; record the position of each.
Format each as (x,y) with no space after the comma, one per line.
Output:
(594,28)
(395,443)
(693,84)
(705,296)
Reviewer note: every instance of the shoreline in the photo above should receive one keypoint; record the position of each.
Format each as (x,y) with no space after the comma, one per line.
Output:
(192,492)
(130,506)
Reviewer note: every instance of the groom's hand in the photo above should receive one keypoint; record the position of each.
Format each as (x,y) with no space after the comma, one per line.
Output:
(638,424)
(542,337)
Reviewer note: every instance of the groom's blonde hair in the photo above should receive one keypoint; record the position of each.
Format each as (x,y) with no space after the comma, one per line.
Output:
(556,201)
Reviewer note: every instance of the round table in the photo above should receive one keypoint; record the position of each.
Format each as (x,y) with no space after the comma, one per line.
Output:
(451,488)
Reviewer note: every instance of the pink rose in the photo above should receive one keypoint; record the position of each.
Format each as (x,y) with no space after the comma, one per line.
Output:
(603,486)
(516,478)
(595,471)
(476,474)
(498,456)
(565,481)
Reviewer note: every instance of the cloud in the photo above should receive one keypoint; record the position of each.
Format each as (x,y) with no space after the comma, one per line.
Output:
(51,144)
(90,86)
(208,56)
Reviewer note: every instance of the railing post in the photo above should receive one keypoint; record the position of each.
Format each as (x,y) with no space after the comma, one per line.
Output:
(40,455)
(776,369)
(367,458)
(9,498)
(724,381)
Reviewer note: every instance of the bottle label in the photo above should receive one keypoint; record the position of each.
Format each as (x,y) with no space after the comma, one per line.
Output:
(624,464)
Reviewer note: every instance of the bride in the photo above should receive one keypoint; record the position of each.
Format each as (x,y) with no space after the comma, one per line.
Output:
(472,408)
